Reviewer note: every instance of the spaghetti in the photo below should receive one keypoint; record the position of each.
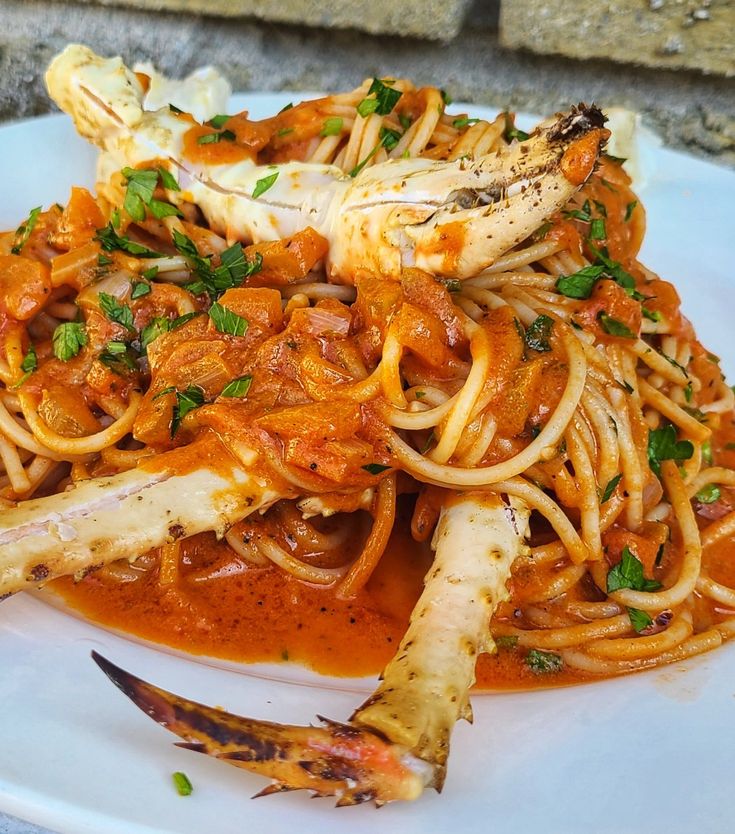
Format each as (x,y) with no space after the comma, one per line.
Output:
(563,375)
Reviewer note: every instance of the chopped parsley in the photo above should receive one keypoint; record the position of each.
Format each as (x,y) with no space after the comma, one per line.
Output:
(262,185)
(375,468)
(506,641)
(186,401)
(139,193)
(597,229)
(389,138)
(119,313)
(446,98)
(610,488)
(628,573)
(226,321)
(580,284)
(28,366)
(538,334)
(174,109)
(584,214)
(111,240)
(238,387)
(708,494)
(464,121)
(68,339)
(214,138)
(663,445)
(332,126)
(118,357)
(103,260)
(231,272)
(707,451)
(544,663)
(511,132)
(629,209)
(640,620)
(218,122)
(614,327)
(385,100)
(168,181)
(651,315)
(155,327)
(140,288)
(23,232)
(181,780)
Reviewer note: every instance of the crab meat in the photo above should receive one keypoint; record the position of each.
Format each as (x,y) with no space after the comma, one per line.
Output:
(397,743)
(452,219)
(123,516)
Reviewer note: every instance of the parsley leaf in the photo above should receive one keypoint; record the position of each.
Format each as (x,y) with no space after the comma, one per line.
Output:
(23,232)
(389,138)
(597,229)
(111,240)
(214,138)
(544,663)
(375,468)
(68,339)
(153,330)
(218,122)
(663,445)
(614,327)
(119,313)
(231,272)
(708,494)
(226,321)
(628,573)
(168,181)
(629,209)
(28,366)
(139,193)
(538,333)
(332,126)
(651,315)
(385,99)
(118,357)
(186,401)
(262,185)
(610,488)
(511,132)
(140,288)
(580,284)
(237,387)
(464,121)
(640,620)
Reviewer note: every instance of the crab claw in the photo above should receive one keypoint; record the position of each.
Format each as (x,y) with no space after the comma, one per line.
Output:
(456,218)
(397,743)
(339,760)
(450,218)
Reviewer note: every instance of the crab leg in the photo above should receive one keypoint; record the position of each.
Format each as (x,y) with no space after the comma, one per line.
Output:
(449,218)
(397,742)
(120,517)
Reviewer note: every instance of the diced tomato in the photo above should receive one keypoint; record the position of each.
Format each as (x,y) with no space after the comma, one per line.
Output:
(24,286)
(79,221)
(424,334)
(426,292)
(287,260)
(609,298)
(259,305)
(515,403)
(643,546)
(377,302)
(317,422)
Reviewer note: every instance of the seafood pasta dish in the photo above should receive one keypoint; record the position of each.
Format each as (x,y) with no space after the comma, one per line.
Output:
(371,386)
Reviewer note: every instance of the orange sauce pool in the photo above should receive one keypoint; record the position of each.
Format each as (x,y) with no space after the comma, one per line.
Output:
(263,615)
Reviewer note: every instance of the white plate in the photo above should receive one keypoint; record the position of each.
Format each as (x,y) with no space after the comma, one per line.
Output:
(646,752)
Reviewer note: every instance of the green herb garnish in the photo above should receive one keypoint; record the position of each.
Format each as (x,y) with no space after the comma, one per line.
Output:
(23,232)
(385,99)
(111,240)
(332,126)
(614,327)
(708,494)
(119,313)
(238,387)
(539,332)
(68,339)
(181,782)
(262,185)
(580,284)
(375,468)
(610,488)
(628,573)
(663,445)
(640,620)
(544,663)
(226,321)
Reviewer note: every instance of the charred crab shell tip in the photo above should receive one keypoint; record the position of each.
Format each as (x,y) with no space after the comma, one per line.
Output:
(580,120)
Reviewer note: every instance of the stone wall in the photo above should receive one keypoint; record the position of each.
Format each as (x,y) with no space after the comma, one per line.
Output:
(691,108)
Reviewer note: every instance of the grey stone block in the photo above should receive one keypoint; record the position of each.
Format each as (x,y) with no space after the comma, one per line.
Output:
(672,34)
(434,19)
